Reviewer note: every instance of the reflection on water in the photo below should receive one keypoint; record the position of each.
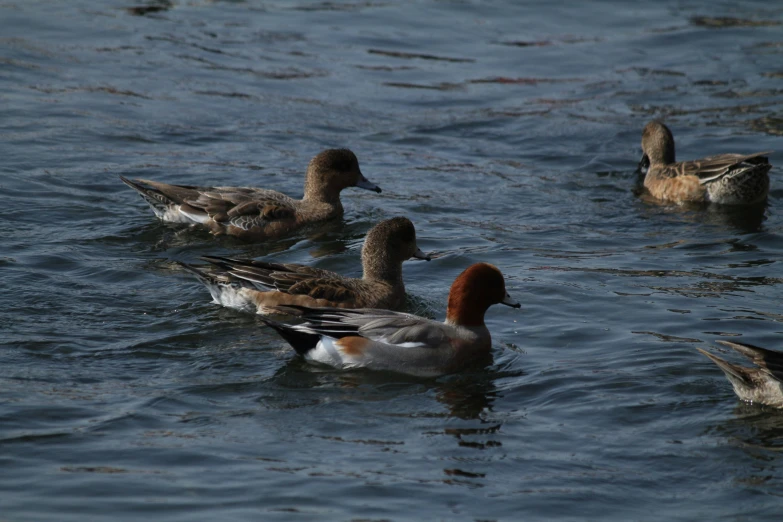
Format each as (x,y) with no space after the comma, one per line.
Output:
(467,396)
(758,432)
(331,238)
(153,6)
(742,218)
(754,427)
(124,389)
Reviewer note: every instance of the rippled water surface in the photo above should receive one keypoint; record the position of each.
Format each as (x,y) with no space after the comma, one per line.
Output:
(508,133)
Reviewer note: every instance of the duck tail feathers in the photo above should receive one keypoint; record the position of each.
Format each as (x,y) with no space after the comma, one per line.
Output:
(202,275)
(159,202)
(301,341)
(734,373)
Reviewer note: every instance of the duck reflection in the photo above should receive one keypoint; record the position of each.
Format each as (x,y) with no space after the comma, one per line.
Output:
(328,239)
(466,396)
(753,438)
(742,218)
(755,427)
(154,6)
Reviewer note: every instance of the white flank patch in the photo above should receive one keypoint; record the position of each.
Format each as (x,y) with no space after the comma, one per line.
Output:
(410,345)
(185,217)
(417,344)
(231,297)
(326,352)
(172,215)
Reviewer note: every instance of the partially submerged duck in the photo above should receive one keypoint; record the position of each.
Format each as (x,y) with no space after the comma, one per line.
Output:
(762,384)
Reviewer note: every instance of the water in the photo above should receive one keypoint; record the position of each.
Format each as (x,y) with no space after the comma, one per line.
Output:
(508,134)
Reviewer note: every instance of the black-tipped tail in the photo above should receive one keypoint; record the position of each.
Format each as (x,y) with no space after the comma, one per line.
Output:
(201,275)
(302,342)
(756,354)
(225,263)
(255,274)
(770,361)
(736,374)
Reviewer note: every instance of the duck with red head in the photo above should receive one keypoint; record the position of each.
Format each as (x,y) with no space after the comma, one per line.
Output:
(394,341)
(473,292)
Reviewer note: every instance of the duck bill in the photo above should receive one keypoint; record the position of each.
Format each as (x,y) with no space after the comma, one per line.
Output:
(418,254)
(508,301)
(644,165)
(366,184)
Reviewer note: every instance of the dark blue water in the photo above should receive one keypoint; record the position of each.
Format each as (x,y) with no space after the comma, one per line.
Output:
(508,133)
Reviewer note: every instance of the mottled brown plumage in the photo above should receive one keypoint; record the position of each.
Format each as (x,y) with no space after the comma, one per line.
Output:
(258,214)
(260,286)
(731,179)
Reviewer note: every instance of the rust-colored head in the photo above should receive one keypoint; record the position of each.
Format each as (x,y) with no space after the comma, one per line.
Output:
(473,292)
(388,244)
(657,144)
(330,172)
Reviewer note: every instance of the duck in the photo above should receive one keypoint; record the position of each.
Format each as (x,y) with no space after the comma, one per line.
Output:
(727,179)
(400,342)
(256,213)
(260,286)
(762,384)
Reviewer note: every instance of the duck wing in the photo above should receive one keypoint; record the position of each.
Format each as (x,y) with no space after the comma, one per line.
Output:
(715,167)
(270,276)
(770,361)
(161,196)
(241,207)
(381,326)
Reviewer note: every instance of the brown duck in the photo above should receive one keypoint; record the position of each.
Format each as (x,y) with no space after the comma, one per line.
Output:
(259,286)
(254,213)
(729,179)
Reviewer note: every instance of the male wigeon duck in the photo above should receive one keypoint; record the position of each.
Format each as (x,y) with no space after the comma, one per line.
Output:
(260,286)
(763,384)
(253,213)
(729,179)
(394,341)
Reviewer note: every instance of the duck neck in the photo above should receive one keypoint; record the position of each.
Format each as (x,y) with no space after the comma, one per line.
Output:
(380,266)
(319,192)
(465,312)
(662,153)
(665,157)
(320,207)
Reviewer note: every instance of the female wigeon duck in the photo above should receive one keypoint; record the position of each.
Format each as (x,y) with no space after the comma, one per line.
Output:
(394,341)
(729,179)
(260,286)
(763,384)
(253,213)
